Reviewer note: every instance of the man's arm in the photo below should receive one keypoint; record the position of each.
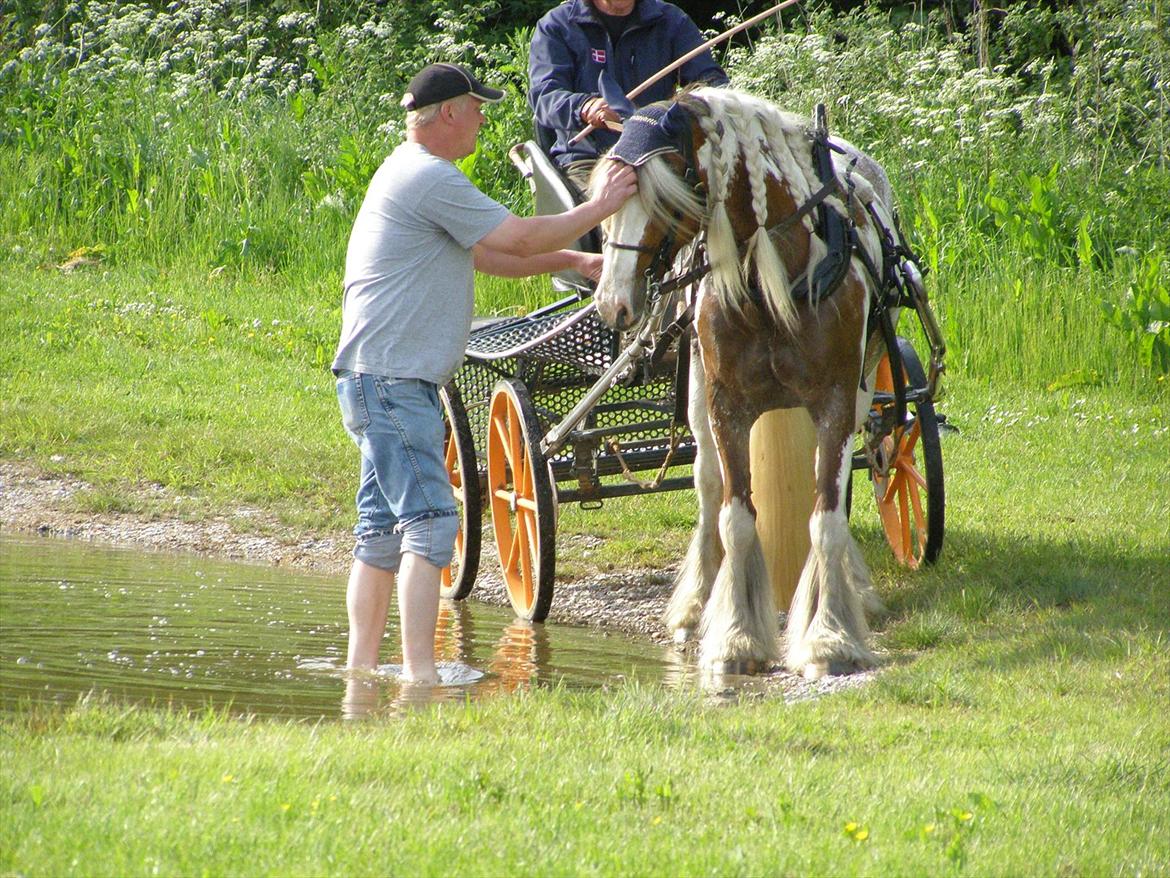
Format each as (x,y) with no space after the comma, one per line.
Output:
(527,236)
(501,264)
(552,72)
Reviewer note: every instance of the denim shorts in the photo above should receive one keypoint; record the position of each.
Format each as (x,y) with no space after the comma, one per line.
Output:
(404,499)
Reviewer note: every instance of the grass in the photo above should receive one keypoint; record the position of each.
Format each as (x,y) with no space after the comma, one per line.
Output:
(979,757)
(1016,729)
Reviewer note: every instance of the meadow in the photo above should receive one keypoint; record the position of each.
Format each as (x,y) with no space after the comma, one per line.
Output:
(177,187)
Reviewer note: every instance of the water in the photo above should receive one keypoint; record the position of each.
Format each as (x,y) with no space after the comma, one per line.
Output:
(157,628)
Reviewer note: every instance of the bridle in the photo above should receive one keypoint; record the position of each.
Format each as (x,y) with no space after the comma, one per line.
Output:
(660,253)
(659,263)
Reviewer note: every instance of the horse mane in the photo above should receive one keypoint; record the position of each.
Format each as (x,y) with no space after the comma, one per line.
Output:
(739,128)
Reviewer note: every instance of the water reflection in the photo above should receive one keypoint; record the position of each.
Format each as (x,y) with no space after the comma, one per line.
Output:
(520,655)
(186,631)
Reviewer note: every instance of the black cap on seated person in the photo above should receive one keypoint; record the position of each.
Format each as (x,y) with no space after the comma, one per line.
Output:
(436,83)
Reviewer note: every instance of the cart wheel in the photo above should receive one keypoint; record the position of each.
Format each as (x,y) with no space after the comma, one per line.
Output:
(459,449)
(522,500)
(913,529)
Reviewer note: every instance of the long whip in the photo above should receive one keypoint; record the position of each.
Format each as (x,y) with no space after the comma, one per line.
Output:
(698,50)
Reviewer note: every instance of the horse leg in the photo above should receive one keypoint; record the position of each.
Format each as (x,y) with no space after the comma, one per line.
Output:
(827,630)
(739,628)
(693,583)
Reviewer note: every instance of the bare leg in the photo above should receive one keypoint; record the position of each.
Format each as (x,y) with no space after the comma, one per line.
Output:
(368,600)
(418,608)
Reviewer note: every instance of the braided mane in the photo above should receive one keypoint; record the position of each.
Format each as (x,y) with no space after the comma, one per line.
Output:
(739,130)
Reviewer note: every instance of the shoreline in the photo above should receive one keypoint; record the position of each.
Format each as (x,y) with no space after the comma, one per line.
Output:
(629,602)
(35,502)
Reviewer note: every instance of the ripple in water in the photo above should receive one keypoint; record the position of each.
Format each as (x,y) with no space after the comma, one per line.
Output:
(182,630)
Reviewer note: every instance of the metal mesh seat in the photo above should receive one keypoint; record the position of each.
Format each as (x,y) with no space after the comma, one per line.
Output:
(577,339)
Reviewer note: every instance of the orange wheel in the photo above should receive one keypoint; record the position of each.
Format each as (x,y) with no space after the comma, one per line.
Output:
(522,500)
(459,448)
(906,470)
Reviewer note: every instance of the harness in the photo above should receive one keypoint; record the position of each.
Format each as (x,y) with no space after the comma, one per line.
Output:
(836,229)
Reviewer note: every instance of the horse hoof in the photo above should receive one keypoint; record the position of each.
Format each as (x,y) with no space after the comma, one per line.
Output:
(831,668)
(739,668)
(815,670)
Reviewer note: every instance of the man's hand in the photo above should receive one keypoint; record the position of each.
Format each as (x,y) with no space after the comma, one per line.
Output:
(617,182)
(589,264)
(596,112)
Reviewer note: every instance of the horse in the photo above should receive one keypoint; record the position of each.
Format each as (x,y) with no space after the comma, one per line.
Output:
(780,321)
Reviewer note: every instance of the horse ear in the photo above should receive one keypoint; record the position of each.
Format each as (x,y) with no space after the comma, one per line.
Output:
(675,121)
(613,95)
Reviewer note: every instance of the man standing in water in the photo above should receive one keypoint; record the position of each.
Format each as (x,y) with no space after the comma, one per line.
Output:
(422,230)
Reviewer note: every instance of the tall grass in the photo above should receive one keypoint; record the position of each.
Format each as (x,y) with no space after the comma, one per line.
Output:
(208,139)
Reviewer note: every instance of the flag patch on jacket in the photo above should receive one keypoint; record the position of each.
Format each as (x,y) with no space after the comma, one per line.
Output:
(598,55)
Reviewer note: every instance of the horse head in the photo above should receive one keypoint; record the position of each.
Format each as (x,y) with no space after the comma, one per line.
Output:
(643,238)
(736,170)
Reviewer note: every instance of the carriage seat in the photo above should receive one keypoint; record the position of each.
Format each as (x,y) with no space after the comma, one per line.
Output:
(553,192)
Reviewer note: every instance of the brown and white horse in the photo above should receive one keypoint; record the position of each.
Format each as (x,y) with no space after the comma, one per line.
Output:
(741,170)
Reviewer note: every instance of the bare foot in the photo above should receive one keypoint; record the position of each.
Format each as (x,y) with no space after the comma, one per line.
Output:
(428,677)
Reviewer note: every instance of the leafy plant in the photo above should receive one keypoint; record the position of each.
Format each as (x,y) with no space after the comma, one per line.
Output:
(1144,314)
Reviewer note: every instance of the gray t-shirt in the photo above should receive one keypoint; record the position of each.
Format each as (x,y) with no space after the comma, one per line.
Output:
(409,271)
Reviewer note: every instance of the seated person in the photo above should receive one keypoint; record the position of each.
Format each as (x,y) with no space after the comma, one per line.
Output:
(632,40)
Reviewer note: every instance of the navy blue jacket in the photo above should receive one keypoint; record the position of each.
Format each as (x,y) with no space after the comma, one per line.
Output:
(571,47)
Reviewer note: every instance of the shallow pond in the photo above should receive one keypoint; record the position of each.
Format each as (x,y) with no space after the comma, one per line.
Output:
(186,630)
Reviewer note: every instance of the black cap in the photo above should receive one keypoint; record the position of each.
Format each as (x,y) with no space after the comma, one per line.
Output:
(436,83)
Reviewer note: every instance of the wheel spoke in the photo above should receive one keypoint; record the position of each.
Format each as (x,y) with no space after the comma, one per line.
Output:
(909,440)
(513,550)
(892,526)
(887,496)
(912,474)
(525,555)
(516,447)
(914,527)
(501,427)
(903,514)
(919,523)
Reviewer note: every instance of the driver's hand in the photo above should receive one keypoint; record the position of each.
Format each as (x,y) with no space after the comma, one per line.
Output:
(596,112)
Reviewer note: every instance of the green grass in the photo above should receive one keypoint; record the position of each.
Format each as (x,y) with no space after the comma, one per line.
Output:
(1028,744)
(1017,728)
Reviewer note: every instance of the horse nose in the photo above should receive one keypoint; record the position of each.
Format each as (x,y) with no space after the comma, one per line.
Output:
(613,312)
(622,317)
